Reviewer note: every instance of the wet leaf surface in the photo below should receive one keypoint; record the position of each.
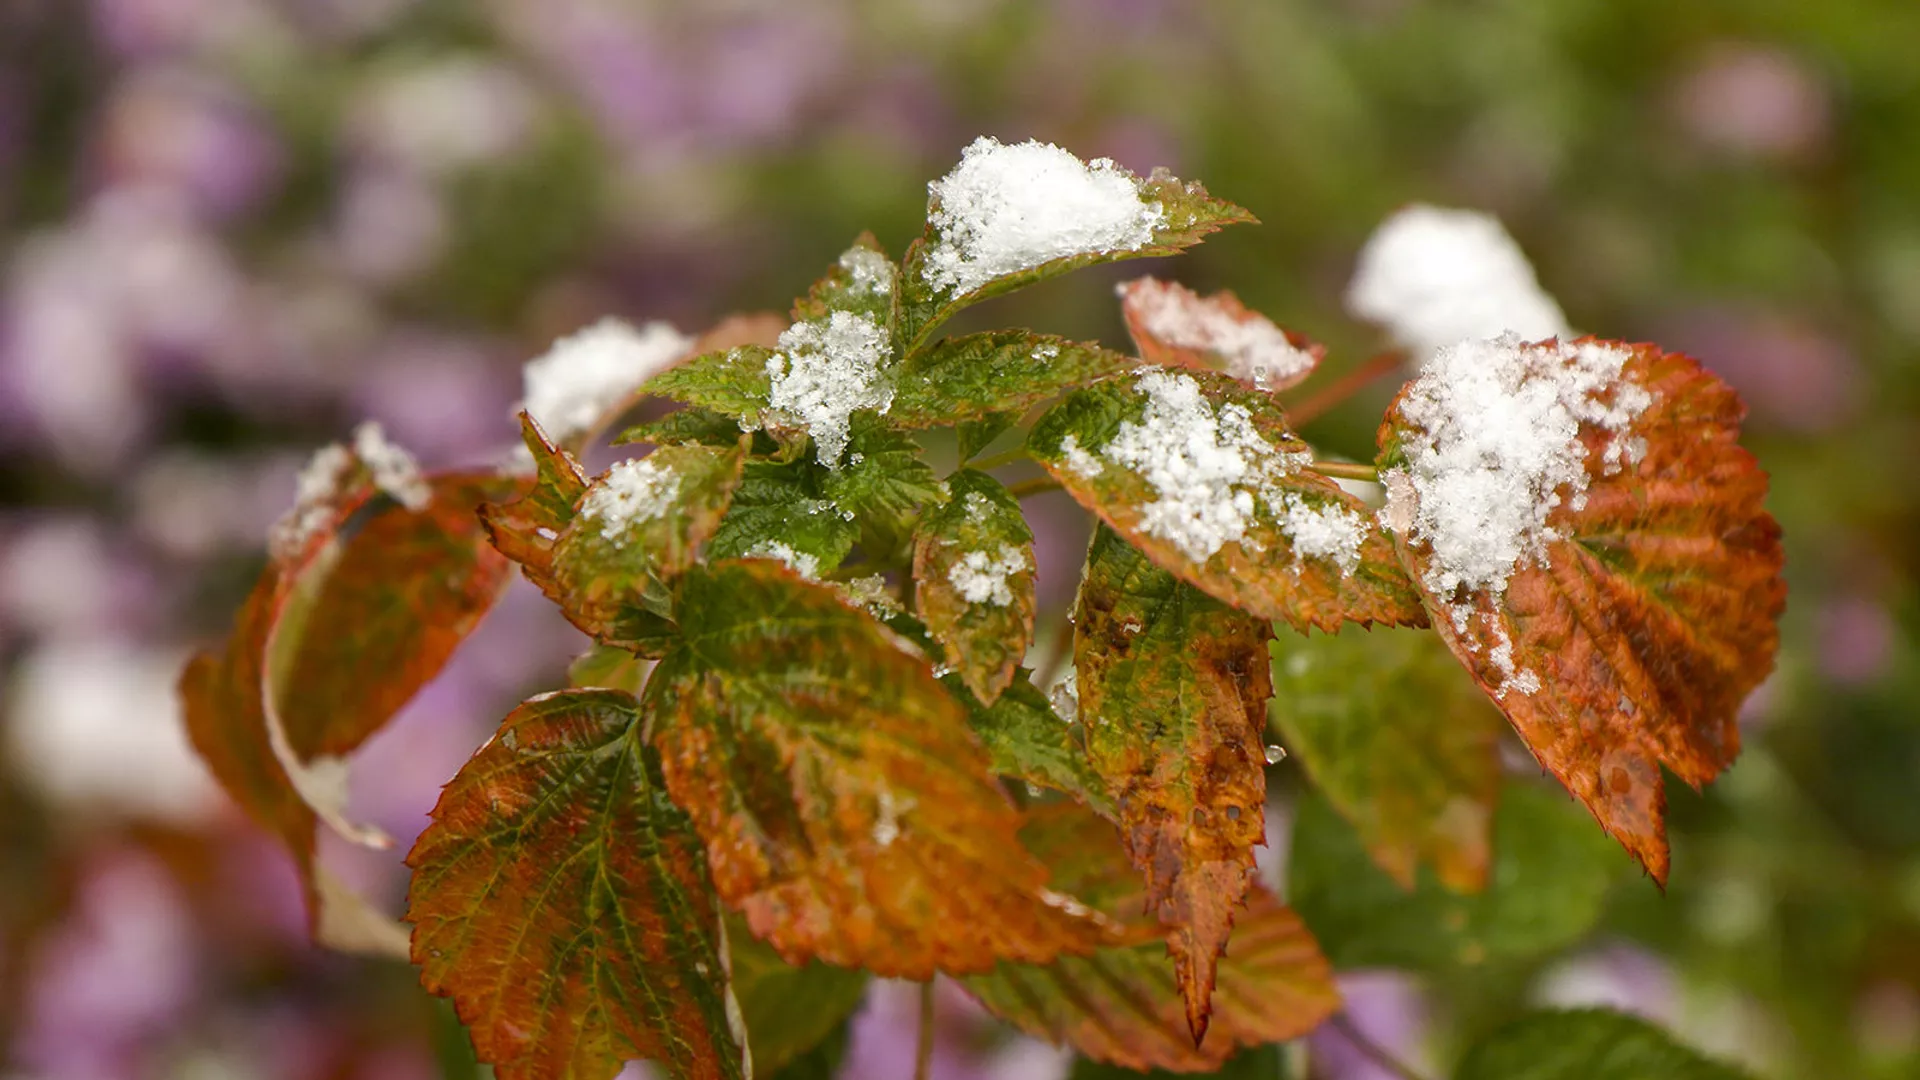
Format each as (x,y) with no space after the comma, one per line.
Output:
(974,577)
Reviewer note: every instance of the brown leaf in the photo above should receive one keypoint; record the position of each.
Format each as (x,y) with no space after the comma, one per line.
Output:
(847,808)
(973,571)
(1277,540)
(1173,695)
(562,901)
(1173,326)
(1121,1004)
(1650,616)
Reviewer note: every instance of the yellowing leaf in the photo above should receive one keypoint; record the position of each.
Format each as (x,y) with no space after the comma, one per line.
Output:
(1399,740)
(847,809)
(1174,327)
(973,570)
(1120,1004)
(1203,476)
(561,900)
(1173,696)
(1649,610)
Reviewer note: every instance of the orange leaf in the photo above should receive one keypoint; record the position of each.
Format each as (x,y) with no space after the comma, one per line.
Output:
(1642,604)
(1120,1004)
(973,571)
(1173,695)
(561,900)
(1204,476)
(848,810)
(1173,326)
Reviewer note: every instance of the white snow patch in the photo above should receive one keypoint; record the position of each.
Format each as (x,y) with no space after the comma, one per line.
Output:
(318,485)
(1435,277)
(868,271)
(1208,466)
(572,386)
(804,563)
(1079,461)
(1253,348)
(632,492)
(1005,209)
(824,373)
(394,470)
(1493,447)
(1324,532)
(981,576)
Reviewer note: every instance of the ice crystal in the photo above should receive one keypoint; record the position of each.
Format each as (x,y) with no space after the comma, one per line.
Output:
(825,372)
(631,493)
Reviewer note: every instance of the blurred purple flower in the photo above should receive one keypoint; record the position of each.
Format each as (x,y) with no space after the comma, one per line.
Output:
(116,975)
(1618,976)
(389,224)
(886,1033)
(1389,1009)
(1754,100)
(1857,640)
(440,397)
(1792,376)
(178,128)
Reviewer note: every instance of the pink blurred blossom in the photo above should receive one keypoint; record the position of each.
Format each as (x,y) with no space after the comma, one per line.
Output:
(1754,100)
(1857,640)
(178,128)
(1619,976)
(1389,1008)
(1791,375)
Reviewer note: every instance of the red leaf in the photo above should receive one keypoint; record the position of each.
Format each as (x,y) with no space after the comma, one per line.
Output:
(973,571)
(1173,326)
(562,901)
(1173,695)
(1627,638)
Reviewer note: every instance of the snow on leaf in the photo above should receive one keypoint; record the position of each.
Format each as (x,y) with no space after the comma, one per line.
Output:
(1400,741)
(847,808)
(1437,277)
(1621,594)
(589,376)
(784,503)
(974,582)
(339,632)
(976,376)
(1008,216)
(1121,1004)
(562,901)
(1173,689)
(825,372)
(1174,327)
(860,283)
(1203,475)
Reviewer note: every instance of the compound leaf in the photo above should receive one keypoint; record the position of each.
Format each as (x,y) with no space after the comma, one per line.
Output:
(848,811)
(1173,693)
(1204,476)
(562,901)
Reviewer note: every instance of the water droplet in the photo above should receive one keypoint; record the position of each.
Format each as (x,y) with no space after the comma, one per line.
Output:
(1276,754)
(509,740)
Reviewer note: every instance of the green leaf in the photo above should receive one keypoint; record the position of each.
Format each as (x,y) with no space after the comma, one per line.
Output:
(848,811)
(789,1010)
(637,528)
(1549,882)
(731,381)
(561,900)
(976,435)
(606,667)
(784,504)
(862,283)
(690,424)
(979,375)
(1027,740)
(1188,215)
(1587,1044)
(1121,1004)
(1173,692)
(885,484)
(973,571)
(1204,476)
(1402,743)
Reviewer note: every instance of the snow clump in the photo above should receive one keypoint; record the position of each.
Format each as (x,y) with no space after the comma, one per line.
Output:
(570,388)
(632,492)
(1006,209)
(981,576)
(1253,348)
(826,371)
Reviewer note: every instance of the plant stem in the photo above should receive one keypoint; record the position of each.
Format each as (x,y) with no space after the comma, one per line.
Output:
(923,1051)
(1371,1050)
(1346,470)
(1323,401)
(1034,486)
(1004,457)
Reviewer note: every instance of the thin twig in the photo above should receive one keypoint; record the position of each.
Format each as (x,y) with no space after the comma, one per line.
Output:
(1322,401)
(1004,457)
(1346,470)
(923,1051)
(1035,486)
(1371,1050)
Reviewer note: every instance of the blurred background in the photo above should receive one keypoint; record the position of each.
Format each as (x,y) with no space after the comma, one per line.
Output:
(229,229)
